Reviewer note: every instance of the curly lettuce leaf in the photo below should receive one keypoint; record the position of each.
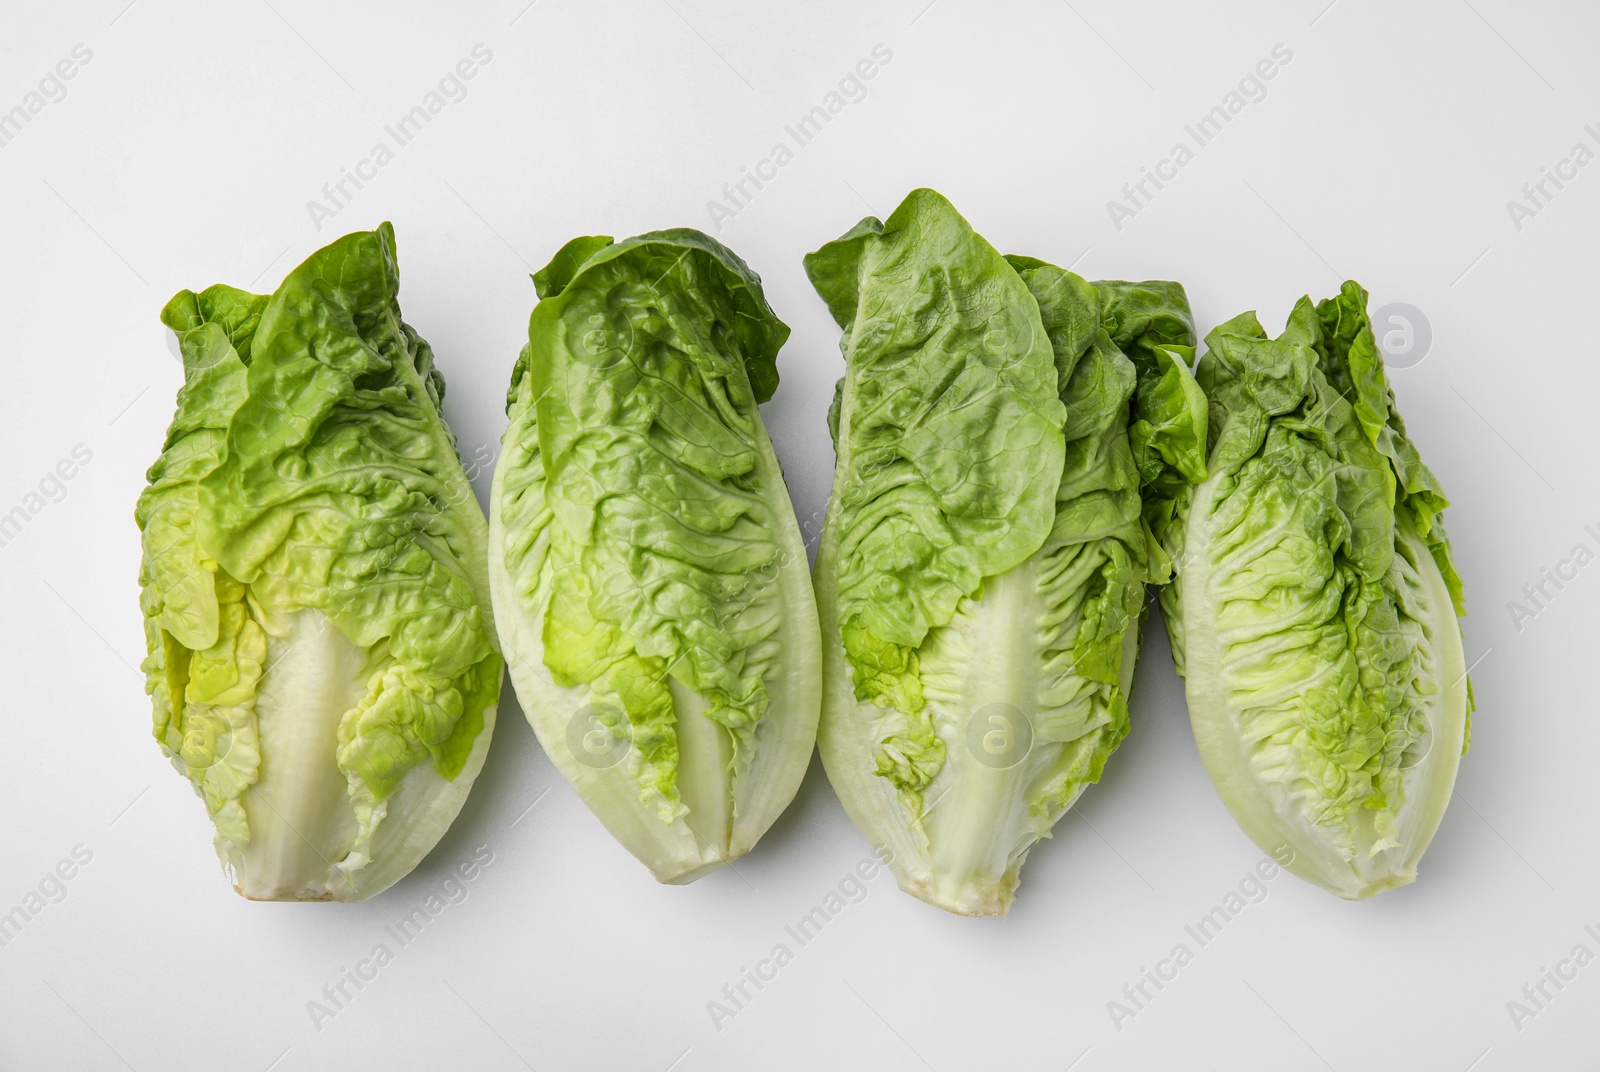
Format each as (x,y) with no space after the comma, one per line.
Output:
(958,732)
(645,555)
(950,446)
(313,581)
(953,438)
(1319,638)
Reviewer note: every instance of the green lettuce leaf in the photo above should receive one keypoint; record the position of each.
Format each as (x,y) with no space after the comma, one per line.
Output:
(321,660)
(646,562)
(1318,605)
(982,571)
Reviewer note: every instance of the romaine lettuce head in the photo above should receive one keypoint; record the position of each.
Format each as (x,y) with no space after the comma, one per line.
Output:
(648,573)
(1315,612)
(321,657)
(982,571)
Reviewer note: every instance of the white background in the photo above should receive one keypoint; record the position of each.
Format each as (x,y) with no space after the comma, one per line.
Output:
(185,153)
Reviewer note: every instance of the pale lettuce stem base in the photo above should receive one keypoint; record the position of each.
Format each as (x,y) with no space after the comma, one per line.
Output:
(968,823)
(299,812)
(1263,809)
(976,814)
(301,820)
(726,814)
(964,852)
(705,775)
